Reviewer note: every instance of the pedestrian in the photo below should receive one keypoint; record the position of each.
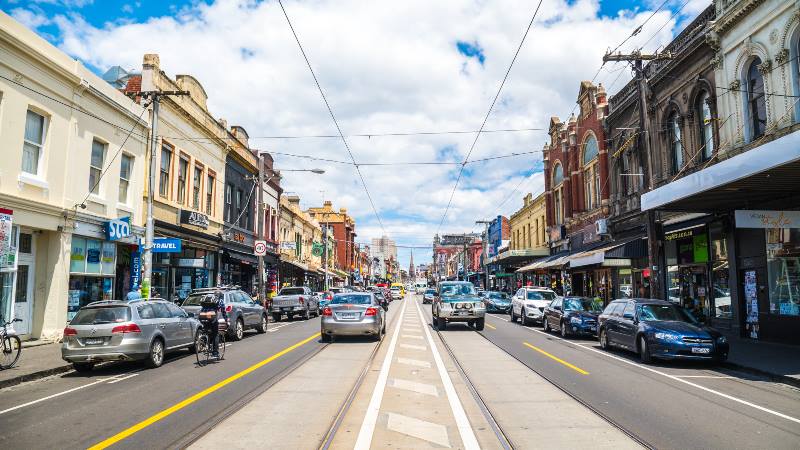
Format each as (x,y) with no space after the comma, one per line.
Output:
(134,294)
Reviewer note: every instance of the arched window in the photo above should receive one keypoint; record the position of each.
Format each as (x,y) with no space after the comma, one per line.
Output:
(756,103)
(706,126)
(558,193)
(675,143)
(591,173)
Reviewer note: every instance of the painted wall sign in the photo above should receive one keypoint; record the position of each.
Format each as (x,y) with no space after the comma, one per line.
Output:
(767,219)
(194,218)
(136,269)
(118,229)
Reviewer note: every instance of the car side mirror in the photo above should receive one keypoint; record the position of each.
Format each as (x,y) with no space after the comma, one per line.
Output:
(385,306)
(627,316)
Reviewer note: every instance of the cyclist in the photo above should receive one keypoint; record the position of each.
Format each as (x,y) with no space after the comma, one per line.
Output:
(214,304)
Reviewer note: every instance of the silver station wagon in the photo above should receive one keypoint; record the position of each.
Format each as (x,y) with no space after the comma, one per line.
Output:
(354,314)
(126,331)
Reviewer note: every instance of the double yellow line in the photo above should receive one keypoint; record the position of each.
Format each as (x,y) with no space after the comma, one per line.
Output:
(556,358)
(178,406)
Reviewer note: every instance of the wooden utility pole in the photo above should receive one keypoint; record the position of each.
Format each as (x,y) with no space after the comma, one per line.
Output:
(653,250)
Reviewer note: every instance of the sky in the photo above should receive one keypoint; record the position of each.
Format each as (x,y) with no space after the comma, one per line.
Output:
(385,67)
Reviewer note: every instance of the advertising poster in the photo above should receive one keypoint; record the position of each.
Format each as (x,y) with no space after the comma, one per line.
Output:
(8,254)
(751,301)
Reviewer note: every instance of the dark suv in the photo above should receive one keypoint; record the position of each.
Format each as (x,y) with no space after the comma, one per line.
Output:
(659,329)
(243,312)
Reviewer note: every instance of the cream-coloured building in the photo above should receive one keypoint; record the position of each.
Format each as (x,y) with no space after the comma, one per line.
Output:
(528,224)
(299,234)
(73,157)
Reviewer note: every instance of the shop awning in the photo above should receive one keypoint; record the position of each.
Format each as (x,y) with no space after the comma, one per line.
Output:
(615,254)
(552,262)
(513,257)
(756,179)
(297,264)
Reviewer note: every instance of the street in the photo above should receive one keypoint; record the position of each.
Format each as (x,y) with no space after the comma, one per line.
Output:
(416,389)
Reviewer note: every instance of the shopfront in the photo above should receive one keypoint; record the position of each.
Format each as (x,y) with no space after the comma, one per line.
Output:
(239,265)
(191,261)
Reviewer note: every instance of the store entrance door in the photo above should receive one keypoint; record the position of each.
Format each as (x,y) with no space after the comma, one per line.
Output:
(23,290)
(694,290)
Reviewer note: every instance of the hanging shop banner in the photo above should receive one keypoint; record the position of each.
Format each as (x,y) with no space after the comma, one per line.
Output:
(767,219)
(194,218)
(8,254)
(118,229)
(166,245)
(136,269)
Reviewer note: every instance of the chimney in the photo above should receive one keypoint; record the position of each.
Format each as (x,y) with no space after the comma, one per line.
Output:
(150,70)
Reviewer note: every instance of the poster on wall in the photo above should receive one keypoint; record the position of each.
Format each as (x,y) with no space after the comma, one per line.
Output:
(8,254)
(751,302)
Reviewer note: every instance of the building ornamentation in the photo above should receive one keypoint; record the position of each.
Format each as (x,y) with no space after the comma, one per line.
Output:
(735,85)
(782,57)
(765,67)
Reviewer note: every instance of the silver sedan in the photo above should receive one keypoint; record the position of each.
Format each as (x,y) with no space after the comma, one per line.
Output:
(353,314)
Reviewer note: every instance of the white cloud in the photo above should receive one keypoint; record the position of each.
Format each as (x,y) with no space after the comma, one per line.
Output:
(30,19)
(385,67)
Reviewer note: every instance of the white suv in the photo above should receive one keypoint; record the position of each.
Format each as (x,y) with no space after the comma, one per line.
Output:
(528,304)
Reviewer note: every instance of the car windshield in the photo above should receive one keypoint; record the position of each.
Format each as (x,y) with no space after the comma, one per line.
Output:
(194,299)
(96,316)
(582,304)
(664,313)
(351,299)
(291,291)
(395,288)
(497,295)
(457,289)
(541,295)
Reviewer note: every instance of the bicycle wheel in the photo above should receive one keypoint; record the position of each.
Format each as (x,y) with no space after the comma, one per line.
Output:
(202,349)
(222,346)
(11,348)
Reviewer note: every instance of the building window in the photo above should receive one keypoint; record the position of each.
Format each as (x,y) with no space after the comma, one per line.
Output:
(196,185)
(238,207)
(125,169)
(591,175)
(166,167)
(783,264)
(246,217)
(228,205)
(33,144)
(706,125)
(96,165)
(209,195)
(675,143)
(183,168)
(756,102)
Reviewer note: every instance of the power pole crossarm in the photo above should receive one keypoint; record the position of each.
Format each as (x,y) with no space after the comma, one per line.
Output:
(635,56)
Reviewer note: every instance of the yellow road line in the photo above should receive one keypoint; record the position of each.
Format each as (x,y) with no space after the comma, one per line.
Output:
(575,368)
(490,326)
(178,406)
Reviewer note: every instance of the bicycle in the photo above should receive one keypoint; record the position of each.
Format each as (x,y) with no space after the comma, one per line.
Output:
(203,347)
(11,345)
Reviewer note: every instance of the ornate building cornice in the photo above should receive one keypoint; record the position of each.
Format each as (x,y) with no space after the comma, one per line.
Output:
(731,12)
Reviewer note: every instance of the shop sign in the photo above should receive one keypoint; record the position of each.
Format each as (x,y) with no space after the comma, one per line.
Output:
(194,218)
(767,219)
(118,229)
(93,256)
(288,245)
(678,235)
(166,245)
(8,254)
(238,237)
(136,269)
(197,263)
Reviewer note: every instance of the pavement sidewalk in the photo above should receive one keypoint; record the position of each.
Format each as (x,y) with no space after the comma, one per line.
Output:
(36,361)
(780,362)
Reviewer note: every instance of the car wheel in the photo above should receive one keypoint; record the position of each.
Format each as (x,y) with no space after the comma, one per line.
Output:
(238,331)
(545,325)
(326,337)
(307,314)
(262,327)
(276,317)
(604,344)
(644,351)
(513,316)
(523,317)
(156,356)
(564,330)
(441,323)
(479,324)
(82,367)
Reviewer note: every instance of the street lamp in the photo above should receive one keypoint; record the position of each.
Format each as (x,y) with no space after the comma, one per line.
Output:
(262,288)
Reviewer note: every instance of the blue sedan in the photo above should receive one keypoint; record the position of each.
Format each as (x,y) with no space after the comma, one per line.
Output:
(659,329)
(497,302)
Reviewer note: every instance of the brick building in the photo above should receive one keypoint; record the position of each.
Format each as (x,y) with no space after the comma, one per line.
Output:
(344,230)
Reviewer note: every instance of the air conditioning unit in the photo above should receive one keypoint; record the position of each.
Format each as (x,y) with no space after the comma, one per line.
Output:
(601,226)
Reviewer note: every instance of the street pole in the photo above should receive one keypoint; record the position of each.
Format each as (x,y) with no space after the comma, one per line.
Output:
(147,254)
(325,252)
(262,287)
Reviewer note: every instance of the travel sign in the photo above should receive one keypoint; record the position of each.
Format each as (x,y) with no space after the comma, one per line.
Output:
(165,245)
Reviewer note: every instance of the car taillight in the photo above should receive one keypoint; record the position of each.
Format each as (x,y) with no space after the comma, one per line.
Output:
(371,311)
(327,311)
(70,332)
(229,308)
(127,328)
(301,300)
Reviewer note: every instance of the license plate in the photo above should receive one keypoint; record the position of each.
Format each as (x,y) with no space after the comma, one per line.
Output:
(93,341)
(286,309)
(701,350)
(348,315)
(462,313)
(593,328)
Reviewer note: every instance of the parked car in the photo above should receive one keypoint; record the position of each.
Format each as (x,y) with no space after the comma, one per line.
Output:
(396,292)
(427,296)
(496,301)
(572,315)
(324,298)
(382,299)
(659,329)
(295,300)
(138,330)
(243,312)
(528,304)
(353,314)
(457,301)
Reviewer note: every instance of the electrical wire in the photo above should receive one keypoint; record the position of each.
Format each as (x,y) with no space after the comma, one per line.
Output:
(372,135)
(333,116)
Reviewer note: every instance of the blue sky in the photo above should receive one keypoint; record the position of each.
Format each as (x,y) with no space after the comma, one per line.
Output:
(427,66)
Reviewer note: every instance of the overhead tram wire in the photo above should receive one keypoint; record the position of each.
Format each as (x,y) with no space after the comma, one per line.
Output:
(370,135)
(488,113)
(333,116)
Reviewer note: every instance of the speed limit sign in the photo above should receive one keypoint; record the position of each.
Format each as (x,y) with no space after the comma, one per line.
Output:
(260,248)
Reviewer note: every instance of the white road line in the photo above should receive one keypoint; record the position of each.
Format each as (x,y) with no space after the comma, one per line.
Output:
(117,380)
(703,376)
(464,427)
(413,386)
(412,336)
(420,429)
(414,347)
(364,440)
(672,377)
(414,362)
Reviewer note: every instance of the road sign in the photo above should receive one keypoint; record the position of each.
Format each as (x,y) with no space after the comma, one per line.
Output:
(260,248)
